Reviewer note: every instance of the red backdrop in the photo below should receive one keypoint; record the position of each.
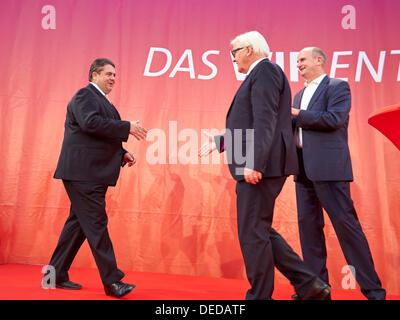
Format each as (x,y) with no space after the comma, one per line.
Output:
(175,217)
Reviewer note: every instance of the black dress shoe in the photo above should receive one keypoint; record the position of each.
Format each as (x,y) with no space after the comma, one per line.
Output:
(376,294)
(69,285)
(118,289)
(318,290)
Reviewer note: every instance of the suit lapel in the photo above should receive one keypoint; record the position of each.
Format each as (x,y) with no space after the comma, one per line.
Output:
(233,101)
(116,112)
(297,99)
(106,103)
(229,111)
(243,83)
(321,88)
(96,91)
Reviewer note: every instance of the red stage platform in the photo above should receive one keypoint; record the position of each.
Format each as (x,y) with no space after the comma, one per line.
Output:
(23,282)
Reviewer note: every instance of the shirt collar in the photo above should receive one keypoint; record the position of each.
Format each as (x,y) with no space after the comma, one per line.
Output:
(97,87)
(253,65)
(316,81)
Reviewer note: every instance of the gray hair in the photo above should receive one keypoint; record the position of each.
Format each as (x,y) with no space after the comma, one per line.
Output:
(255,40)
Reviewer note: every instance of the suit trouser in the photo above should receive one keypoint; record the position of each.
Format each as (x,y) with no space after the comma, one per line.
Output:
(262,247)
(87,220)
(335,198)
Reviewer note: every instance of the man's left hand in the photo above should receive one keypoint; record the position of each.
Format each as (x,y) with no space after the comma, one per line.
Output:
(252,176)
(295,112)
(130,159)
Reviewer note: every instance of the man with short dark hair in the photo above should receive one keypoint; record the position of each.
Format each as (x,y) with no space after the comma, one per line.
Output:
(90,162)
(98,65)
(321,118)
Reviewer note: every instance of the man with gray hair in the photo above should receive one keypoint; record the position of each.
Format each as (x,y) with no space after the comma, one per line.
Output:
(321,118)
(262,105)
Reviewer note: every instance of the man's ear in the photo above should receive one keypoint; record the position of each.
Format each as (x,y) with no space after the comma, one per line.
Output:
(249,50)
(94,76)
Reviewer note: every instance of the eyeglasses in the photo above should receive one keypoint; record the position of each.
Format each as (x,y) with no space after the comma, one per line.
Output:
(233,52)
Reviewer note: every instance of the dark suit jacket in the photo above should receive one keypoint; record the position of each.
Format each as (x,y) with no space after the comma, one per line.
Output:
(325,149)
(261,103)
(92,147)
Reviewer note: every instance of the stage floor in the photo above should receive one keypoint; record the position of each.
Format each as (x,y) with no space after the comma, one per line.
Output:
(23,282)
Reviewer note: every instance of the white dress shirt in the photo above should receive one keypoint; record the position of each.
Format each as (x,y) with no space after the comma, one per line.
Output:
(305,100)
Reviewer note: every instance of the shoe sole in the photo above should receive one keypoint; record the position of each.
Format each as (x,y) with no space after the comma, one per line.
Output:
(68,288)
(323,294)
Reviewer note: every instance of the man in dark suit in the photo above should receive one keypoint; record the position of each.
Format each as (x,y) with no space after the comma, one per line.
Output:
(259,124)
(90,161)
(321,118)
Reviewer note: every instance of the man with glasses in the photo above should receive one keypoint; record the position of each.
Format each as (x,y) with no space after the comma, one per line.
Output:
(262,106)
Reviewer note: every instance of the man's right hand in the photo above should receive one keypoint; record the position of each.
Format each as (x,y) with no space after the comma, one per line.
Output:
(137,130)
(208,147)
